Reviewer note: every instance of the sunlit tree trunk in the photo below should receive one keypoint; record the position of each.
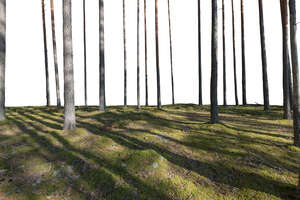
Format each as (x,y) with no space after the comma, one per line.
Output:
(46,54)
(146,52)
(157,56)
(244,89)
(125,53)
(84,54)
(224,56)
(2,57)
(138,55)
(102,61)
(58,101)
(199,54)
(171,53)
(234,56)
(69,109)
(214,64)
(263,57)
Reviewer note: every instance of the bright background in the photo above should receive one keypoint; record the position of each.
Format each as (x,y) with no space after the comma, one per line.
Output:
(25,54)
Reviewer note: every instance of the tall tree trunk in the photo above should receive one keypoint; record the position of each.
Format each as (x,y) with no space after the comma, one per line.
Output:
(171,53)
(69,109)
(234,57)
(146,52)
(84,54)
(214,64)
(285,55)
(138,55)
(46,54)
(199,53)
(125,54)
(102,61)
(2,57)
(157,56)
(58,101)
(224,56)
(264,57)
(243,55)
(290,82)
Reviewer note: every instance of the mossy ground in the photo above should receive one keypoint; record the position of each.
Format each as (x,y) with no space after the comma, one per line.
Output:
(173,153)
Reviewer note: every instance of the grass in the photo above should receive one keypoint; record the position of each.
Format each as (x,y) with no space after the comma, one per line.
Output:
(173,153)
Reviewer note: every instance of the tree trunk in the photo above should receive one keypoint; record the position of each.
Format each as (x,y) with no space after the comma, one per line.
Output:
(285,55)
(138,55)
(263,57)
(69,109)
(46,54)
(2,57)
(157,56)
(102,61)
(224,56)
(171,53)
(234,57)
(58,101)
(199,53)
(84,54)
(146,52)
(290,82)
(243,55)
(214,66)
(125,54)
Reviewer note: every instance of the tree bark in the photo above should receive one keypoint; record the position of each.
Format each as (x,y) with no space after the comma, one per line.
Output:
(224,56)
(46,54)
(199,54)
(102,57)
(157,56)
(69,109)
(2,57)
(138,55)
(234,57)
(171,53)
(214,66)
(243,55)
(125,54)
(58,101)
(84,54)
(263,57)
(146,52)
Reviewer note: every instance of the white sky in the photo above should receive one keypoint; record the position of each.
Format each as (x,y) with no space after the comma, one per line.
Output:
(25,54)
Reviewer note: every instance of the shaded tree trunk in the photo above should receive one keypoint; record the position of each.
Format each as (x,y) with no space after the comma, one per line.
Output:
(2,57)
(214,64)
(125,54)
(146,52)
(84,54)
(69,109)
(243,55)
(46,54)
(102,61)
(224,56)
(234,56)
(157,56)
(199,53)
(171,53)
(285,55)
(263,57)
(58,101)
(138,55)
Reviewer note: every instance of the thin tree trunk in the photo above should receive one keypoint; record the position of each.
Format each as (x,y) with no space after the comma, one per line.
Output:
(146,52)
(2,57)
(234,57)
(224,56)
(290,82)
(138,55)
(286,93)
(171,53)
(69,109)
(46,54)
(157,56)
(58,101)
(125,54)
(199,53)
(102,61)
(214,66)
(243,55)
(263,57)
(84,54)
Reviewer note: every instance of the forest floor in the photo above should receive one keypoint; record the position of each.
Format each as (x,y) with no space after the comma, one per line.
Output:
(173,153)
